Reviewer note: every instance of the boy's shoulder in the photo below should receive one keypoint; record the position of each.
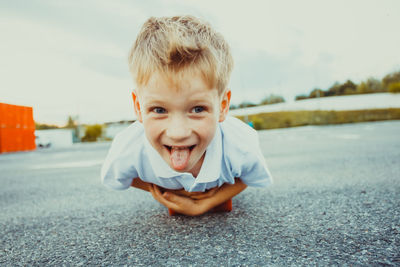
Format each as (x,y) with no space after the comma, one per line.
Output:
(135,129)
(238,134)
(130,136)
(242,152)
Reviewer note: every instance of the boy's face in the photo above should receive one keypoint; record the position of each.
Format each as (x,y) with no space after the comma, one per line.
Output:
(180,120)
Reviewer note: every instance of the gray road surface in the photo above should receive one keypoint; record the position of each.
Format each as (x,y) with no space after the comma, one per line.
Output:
(335,201)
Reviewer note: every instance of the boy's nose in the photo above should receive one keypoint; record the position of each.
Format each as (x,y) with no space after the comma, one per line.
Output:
(178,130)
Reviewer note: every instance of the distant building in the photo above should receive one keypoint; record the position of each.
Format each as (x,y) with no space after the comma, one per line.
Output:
(54,137)
(111,129)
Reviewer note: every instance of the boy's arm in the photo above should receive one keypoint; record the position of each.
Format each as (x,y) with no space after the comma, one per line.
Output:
(138,183)
(193,207)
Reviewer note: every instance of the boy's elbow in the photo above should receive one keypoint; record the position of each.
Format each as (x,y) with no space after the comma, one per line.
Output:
(138,183)
(240,183)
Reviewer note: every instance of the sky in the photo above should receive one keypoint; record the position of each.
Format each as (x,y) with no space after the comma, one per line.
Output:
(69,58)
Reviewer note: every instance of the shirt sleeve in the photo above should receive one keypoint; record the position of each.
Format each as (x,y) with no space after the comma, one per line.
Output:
(254,171)
(244,154)
(119,169)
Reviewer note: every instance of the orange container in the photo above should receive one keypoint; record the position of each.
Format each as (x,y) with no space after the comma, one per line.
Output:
(12,116)
(18,116)
(13,139)
(28,139)
(17,128)
(2,115)
(6,144)
(2,140)
(29,115)
(24,118)
(28,128)
(19,140)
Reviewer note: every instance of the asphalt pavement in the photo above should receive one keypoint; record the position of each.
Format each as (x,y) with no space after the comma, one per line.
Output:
(335,201)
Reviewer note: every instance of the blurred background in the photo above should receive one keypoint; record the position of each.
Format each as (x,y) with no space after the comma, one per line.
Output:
(64,84)
(296,63)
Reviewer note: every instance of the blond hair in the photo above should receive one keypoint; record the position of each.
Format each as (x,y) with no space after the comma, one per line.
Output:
(174,45)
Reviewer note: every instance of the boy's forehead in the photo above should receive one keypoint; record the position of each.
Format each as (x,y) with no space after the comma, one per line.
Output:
(178,81)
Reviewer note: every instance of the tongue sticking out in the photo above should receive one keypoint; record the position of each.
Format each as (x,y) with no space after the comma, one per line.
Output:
(179,158)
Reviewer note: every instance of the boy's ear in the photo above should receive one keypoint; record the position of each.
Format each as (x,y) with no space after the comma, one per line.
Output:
(225,101)
(136,106)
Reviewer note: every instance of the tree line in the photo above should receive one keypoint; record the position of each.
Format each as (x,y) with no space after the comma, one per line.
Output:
(389,83)
(268,100)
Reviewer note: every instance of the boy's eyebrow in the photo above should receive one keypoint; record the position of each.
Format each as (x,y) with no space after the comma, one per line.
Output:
(154,97)
(202,100)
(151,101)
(161,101)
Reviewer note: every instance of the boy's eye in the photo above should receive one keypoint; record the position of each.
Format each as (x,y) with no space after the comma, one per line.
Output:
(159,110)
(198,109)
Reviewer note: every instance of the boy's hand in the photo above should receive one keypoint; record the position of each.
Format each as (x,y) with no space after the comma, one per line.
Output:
(181,204)
(193,207)
(194,195)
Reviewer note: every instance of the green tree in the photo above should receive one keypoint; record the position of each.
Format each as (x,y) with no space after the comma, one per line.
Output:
(71,123)
(316,93)
(372,85)
(42,126)
(272,99)
(246,104)
(348,88)
(301,97)
(394,87)
(333,90)
(362,88)
(391,78)
(375,85)
(92,133)
(232,106)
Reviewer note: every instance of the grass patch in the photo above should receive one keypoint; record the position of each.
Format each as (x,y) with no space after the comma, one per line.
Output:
(284,119)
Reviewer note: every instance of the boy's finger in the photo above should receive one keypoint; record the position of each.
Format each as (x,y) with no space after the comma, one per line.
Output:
(173,197)
(155,191)
(212,191)
(158,192)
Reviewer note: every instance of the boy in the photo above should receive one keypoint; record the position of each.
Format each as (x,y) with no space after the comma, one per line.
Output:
(184,149)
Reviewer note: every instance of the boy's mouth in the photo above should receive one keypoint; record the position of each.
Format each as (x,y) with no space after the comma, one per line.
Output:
(170,148)
(179,156)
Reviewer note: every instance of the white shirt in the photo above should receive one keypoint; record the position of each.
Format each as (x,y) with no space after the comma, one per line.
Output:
(234,152)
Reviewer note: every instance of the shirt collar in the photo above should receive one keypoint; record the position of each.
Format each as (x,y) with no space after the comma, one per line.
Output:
(210,169)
